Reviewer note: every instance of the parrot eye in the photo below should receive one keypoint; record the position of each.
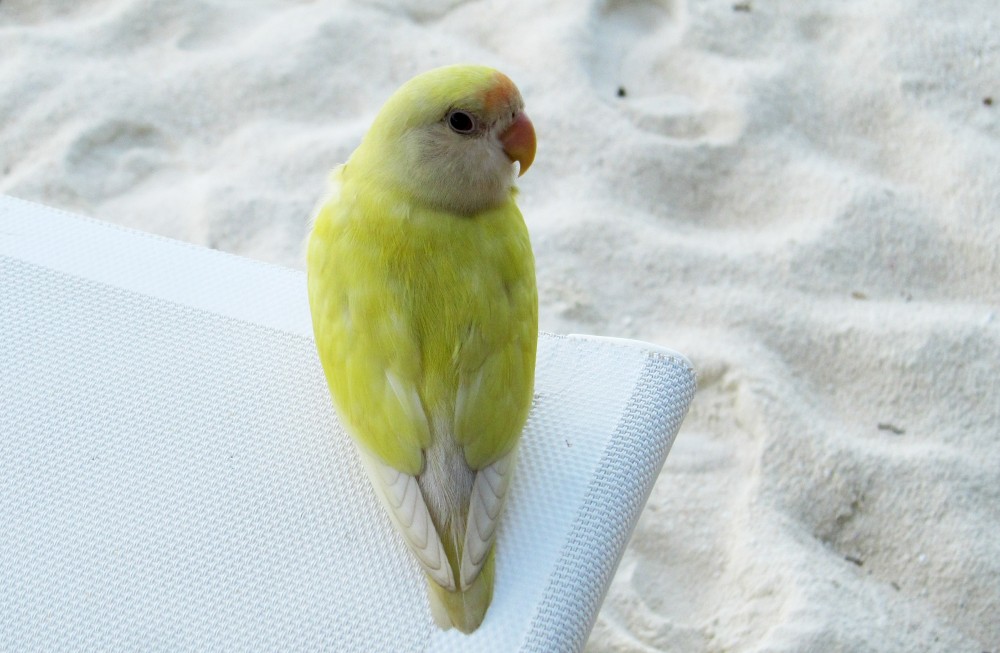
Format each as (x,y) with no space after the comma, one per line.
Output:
(461,122)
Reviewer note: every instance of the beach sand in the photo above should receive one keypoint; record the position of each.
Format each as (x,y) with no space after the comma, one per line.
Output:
(802,197)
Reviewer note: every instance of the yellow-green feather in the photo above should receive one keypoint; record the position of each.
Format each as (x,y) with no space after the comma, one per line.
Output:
(432,298)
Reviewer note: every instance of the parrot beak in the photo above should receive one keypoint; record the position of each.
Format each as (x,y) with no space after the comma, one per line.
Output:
(518,142)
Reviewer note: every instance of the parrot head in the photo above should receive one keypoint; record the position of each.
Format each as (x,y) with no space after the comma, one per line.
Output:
(454,138)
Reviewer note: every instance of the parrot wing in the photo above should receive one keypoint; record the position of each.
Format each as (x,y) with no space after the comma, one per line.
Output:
(401,494)
(489,491)
(371,359)
(369,352)
(494,396)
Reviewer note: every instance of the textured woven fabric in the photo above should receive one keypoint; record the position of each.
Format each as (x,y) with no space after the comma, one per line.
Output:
(172,474)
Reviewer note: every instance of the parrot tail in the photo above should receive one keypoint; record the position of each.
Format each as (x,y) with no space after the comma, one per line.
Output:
(463,609)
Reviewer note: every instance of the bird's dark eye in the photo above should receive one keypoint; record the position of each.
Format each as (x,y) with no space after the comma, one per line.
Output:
(461,122)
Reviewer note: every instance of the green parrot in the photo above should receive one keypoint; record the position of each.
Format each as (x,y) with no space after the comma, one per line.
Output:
(422,289)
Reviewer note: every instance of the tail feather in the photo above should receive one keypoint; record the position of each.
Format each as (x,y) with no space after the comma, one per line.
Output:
(463,609)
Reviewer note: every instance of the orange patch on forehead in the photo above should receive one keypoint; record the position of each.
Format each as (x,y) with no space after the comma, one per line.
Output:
(500,93)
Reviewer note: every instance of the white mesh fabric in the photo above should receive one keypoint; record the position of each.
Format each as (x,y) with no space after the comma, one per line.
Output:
(172,475)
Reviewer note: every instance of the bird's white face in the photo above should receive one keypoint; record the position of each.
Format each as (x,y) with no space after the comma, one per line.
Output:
(459,163)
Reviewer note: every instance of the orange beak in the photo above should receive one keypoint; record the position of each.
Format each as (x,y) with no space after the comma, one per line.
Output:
(519,142)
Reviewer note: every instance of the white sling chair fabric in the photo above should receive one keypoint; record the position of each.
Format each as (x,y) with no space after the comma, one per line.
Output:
(173,476)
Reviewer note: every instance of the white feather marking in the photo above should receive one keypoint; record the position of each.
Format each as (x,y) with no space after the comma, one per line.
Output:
(489,491)
(409,399)
(467,389)
(405,503)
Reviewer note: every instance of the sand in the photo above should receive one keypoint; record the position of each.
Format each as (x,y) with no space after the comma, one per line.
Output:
(803,197)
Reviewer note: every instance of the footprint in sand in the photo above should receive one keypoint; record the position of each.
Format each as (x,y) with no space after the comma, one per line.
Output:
(421,11)
(114,155)
(51,13)
(690,544)
(640,63)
